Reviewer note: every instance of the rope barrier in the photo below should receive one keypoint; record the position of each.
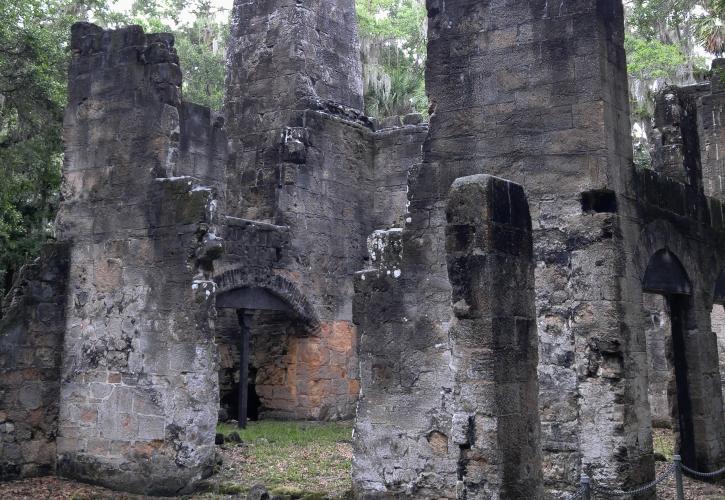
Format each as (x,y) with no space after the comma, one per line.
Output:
(637,491)
(702,474)
(587,485)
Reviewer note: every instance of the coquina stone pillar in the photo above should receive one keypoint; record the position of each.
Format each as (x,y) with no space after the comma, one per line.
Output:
(138,396)
(284,57)
(536,92)
(448,404)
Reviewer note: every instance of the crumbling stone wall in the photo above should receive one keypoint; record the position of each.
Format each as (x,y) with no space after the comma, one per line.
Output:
(688,133)
(31,339)
(536,93)
(303,158)
(397,146)
(316,44)
(533,92)
(139,396)
(342,177)
(679,217)
(711,133)
(449,410)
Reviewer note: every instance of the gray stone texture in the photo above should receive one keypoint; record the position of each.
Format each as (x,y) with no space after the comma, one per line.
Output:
(308,179)
(284,57)
(658,328)
(718,326)
(338,179)
(110,337)
(139,396)
(31,339)
(450,410)
(536,92)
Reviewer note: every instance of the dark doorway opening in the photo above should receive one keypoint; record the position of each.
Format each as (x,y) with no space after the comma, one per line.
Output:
(599,201)
(229,394)
(679,308)
(258,313)
(665,276)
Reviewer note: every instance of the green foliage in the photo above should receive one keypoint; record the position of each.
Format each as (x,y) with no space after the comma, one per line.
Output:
(394,36)
(201,47)
(664,443)
(201,44)
(653,19)
(301,459)
(650,59)
(34,58)
(32,97)
(290,433)
(642,157)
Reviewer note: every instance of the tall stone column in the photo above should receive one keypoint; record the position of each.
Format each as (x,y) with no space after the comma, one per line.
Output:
(448,406)
(302,158)
(494,339)
(284,57)
(139,397)
(536,92)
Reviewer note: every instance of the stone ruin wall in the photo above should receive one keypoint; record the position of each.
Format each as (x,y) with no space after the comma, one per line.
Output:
(540,98)
(138,398)
(451,413)
(353,179)
(536,101)
(524,92)
(303,158)
(32,325)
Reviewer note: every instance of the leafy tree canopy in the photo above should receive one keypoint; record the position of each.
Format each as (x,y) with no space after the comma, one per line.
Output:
(393,35)
(34,58)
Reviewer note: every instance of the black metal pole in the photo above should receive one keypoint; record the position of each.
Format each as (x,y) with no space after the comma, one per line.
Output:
(243,370)
(679,486)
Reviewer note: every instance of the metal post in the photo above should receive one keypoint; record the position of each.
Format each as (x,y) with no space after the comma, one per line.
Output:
(678,477)
(243,370)
(586,487)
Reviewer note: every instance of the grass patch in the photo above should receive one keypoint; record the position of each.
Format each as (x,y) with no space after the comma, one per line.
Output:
(291,433)
(663,442)
(306,460)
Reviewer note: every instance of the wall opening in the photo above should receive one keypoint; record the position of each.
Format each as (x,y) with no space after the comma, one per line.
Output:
(269,368)
(660,371)
(668,316)
(252,334)
(599,201)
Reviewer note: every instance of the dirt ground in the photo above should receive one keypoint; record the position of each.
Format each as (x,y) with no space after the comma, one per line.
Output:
(293,460)
(303,461)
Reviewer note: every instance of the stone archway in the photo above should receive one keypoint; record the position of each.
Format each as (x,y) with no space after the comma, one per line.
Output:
(693,313)
(274,286)
(300,368)
(666,276)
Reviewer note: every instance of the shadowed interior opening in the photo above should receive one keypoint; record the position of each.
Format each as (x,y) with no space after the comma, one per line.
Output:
(599,201)
(668,318)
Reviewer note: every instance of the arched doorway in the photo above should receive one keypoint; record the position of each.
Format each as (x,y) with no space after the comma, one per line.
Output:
(302,367)
(668,310)
(259,323)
